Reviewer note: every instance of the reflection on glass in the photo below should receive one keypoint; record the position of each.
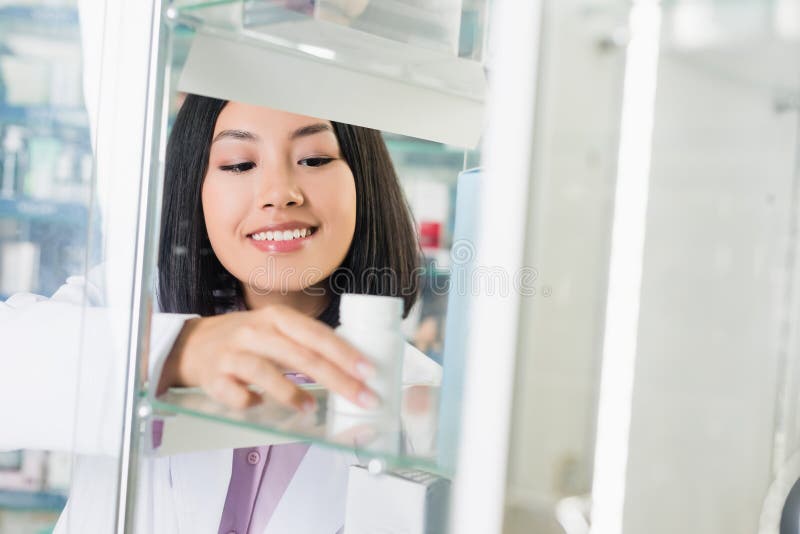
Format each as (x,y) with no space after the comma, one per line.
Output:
(45,180)
(268,218)
(294,228)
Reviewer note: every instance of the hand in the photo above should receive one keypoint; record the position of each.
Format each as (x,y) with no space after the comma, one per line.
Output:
(225,353)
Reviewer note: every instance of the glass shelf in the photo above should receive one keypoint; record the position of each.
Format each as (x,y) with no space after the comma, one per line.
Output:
(326,41)
(404,88)
(409,442)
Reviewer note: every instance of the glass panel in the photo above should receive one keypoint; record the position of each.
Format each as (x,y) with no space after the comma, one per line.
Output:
(71,123)
(47,159)
(428,173)
(190,423)
(45,185)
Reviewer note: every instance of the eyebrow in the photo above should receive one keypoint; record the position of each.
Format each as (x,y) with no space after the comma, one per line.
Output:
(311,129)
(244,135)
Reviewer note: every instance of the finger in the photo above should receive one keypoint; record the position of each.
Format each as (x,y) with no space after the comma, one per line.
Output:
(287,353)
(290,354)
(253,368)
(317,335)
(231,392)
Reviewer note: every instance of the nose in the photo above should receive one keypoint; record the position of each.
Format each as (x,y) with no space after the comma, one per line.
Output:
(279,190)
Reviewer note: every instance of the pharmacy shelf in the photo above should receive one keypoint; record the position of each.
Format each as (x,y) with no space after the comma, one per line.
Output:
(39,210)
(31,501)
(42,115)
(48,19)
(402,88)
(195,421)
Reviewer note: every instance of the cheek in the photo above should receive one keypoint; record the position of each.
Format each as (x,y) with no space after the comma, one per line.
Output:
(224,208)
(338,202)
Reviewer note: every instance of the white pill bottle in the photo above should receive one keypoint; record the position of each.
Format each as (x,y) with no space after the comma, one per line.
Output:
(372,324)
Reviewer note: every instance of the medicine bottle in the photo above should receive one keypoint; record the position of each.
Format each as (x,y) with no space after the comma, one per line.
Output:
(372,324)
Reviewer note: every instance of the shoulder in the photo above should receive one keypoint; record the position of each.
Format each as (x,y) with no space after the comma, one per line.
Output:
(87,289)
(419,368)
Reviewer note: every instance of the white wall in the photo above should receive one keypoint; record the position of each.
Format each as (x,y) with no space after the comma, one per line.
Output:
(712,300)
(714,288)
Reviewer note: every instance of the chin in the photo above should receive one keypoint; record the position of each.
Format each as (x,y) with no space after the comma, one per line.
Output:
(282,279)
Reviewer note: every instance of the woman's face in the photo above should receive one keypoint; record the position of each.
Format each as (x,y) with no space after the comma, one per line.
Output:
(279,200)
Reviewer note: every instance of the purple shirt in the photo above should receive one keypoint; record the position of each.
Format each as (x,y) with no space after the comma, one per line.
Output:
(259,478)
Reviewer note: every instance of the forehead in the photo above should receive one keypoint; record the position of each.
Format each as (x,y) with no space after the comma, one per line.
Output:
(266,122)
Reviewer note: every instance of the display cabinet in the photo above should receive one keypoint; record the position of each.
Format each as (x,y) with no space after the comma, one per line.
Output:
(397,67)
(626,371)
(616,183)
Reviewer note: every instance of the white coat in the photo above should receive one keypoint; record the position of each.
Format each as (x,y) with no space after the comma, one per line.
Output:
(61,389)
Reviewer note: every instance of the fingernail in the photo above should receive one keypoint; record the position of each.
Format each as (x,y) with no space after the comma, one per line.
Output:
(368,400)
(365,370)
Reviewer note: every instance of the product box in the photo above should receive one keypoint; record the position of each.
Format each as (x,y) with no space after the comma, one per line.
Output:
(400,502)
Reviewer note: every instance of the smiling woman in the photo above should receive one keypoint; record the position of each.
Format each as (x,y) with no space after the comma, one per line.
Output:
(262,206)
(277,213)
(247,191)
(272,175)
(261,210)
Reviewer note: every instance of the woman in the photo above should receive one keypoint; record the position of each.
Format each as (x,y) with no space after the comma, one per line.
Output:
(240,178)
(267,217)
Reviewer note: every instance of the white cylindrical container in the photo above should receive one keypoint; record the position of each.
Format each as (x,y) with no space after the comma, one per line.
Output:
(372,324)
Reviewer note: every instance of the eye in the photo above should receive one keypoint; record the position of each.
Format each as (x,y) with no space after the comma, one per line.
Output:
(238,168)
(315,162)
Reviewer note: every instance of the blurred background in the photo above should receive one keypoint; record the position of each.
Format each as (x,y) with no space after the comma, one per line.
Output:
(45,185)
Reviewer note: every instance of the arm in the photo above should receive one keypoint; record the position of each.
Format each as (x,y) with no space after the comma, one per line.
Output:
(62,369)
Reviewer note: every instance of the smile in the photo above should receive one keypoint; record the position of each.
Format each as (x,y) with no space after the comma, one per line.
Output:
(283,235)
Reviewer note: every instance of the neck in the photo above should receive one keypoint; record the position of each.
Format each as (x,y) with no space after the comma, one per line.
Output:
(311,303)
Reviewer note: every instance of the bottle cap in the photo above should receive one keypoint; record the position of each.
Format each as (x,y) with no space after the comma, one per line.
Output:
(373,310)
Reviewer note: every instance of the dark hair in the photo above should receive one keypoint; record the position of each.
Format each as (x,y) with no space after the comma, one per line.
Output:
(192,280)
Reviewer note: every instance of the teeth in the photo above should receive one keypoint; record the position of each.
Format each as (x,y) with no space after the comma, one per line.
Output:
(285,235)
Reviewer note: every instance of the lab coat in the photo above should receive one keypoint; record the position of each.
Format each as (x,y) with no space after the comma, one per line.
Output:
(62,389)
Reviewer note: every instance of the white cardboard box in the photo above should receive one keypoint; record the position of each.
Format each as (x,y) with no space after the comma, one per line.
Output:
(400,502)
